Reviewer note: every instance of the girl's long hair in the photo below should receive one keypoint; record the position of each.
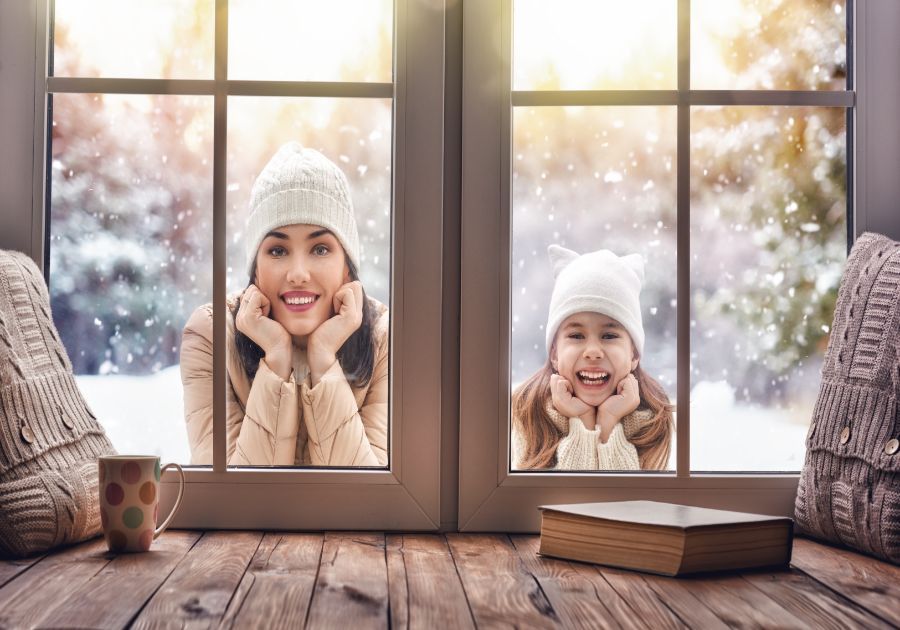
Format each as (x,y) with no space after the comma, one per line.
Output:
(356,356)
(652,442)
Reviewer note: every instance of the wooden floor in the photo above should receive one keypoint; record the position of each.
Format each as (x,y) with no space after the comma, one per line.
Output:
(361,580)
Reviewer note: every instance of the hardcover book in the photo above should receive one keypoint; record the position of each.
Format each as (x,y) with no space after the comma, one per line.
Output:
(665,538)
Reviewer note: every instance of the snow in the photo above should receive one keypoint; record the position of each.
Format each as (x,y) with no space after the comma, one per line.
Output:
(144,414)
(141,414)
(726,435)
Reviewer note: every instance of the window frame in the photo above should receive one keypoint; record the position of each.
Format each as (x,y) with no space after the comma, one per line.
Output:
(470,479)
(405,495)
(491,497)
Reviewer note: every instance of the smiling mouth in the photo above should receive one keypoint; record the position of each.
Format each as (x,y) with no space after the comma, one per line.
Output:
(593,378)
(298,304)
(300,300)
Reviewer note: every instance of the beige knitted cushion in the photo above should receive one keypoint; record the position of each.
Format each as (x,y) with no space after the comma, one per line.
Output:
(49,439)
(849,489)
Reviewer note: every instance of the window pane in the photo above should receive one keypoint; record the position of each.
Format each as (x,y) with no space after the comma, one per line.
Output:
(147,39)
(594,44)
(591,178)
(355,136)
(310,40)
(769,239)
(130,251)
(769,44)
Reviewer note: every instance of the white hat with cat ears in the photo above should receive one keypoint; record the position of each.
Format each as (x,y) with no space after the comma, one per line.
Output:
(597,282)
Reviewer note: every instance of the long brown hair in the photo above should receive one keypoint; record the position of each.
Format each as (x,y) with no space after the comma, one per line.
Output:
(356,356)
(652,441)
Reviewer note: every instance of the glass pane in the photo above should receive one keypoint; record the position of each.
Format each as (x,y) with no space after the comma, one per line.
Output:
(353,137)
(146,39)
(769,239)
(130,252)
(310,40)
(594,44)
(592,178)
(768,44)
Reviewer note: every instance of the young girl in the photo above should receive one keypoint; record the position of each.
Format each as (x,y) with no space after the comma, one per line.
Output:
(306,351)
(591,406)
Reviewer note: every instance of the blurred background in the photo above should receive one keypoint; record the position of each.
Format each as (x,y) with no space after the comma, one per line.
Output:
(768,201)
(131,178)
(131,190)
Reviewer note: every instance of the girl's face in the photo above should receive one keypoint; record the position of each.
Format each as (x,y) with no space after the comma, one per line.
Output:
(593,352)
(299,268)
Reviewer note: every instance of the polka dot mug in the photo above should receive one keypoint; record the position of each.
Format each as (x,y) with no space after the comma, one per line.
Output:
(129,500)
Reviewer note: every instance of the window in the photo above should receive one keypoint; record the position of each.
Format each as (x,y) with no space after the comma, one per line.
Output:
(152,157)
(701,137)
(420,488)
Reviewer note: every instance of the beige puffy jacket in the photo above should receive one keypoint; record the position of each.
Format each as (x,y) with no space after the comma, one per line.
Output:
(272,422)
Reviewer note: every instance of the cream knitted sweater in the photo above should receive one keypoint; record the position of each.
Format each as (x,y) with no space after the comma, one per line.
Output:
(581,448)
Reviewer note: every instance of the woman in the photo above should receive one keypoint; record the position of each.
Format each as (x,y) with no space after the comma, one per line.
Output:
(307,351)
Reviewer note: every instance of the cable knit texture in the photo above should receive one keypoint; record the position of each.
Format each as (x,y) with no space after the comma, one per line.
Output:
(581,448)
(849,490)
(49,439)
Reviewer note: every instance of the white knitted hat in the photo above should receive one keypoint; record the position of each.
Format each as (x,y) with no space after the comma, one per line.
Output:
(598,282)
(301,186)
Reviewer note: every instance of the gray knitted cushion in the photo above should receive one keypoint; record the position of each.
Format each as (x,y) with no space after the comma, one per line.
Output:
(49,439)
(849,489)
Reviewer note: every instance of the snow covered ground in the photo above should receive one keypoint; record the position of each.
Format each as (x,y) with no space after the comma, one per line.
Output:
(145,414)
(141,414)
(726,435)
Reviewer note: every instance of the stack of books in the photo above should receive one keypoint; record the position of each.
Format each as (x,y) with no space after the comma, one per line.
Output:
(665,538)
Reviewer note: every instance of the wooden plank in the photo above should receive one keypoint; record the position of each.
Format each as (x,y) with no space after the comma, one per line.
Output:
(870,583)
(738,604)
(652,611)
(670,591)
(572,595)
(278,585)
(678,596)
(38,591)
(197,592)
(351,588)
(114,596)
(808,600)
(9,569)
(499,589)
(424,588)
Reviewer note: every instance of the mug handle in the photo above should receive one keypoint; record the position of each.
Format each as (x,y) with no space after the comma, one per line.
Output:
(165,523)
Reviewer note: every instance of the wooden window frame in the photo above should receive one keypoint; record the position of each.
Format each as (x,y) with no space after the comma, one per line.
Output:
(457,219)
(405,495)
(491,497)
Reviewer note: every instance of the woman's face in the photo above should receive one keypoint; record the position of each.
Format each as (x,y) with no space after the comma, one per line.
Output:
(593,352)
(299,268)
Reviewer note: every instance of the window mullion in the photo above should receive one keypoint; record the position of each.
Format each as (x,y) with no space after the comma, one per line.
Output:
(40,202)
(220,135)
(328,89)
(683,257)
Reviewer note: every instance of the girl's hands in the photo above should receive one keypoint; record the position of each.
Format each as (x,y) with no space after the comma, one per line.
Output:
(567,403)
(327,339)
(253,320)
(623,402)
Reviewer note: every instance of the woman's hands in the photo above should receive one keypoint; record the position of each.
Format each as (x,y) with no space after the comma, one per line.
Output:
(568,404)
(607,415)
(253,320)
(623,402)
(327,339)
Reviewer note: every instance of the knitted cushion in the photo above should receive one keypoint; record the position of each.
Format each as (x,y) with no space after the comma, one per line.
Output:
(49,439)
(849,489)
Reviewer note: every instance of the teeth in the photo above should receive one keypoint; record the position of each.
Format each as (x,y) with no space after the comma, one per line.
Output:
(299,300)
(593,375)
